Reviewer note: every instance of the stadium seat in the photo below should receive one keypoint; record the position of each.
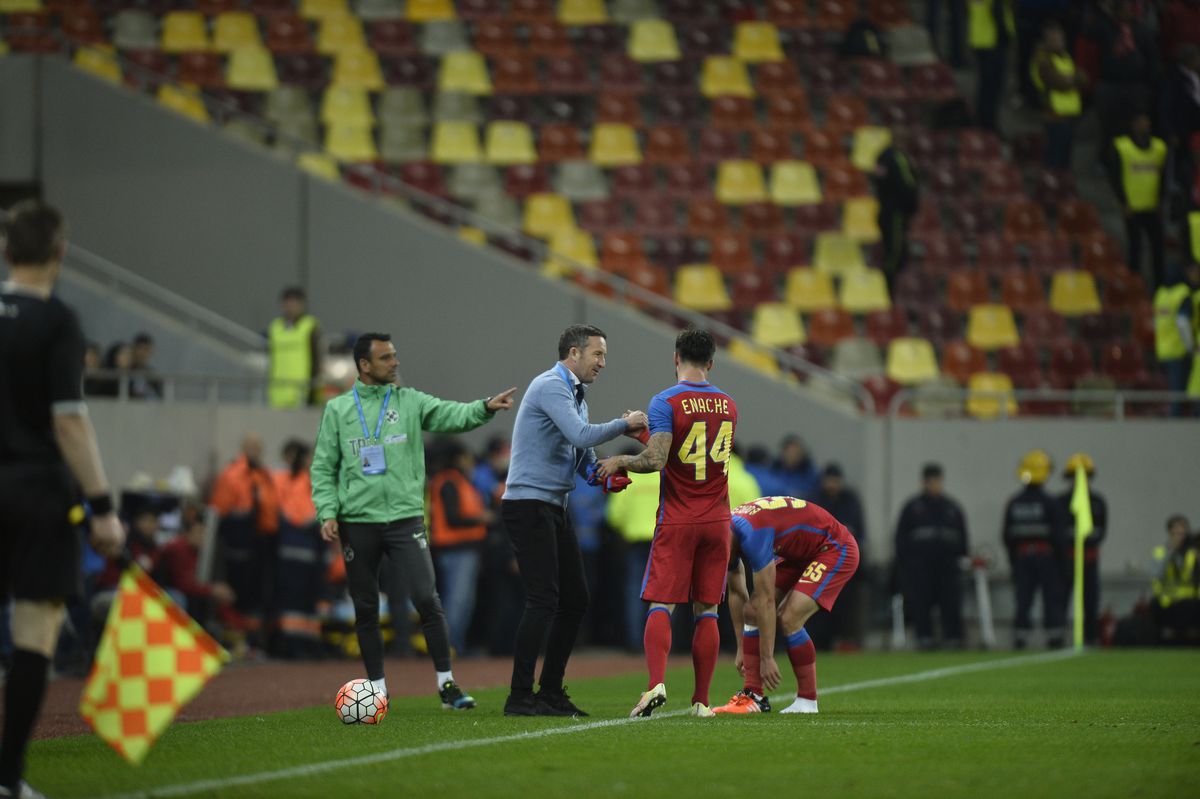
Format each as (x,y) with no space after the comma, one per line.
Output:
(715,146)
(842,182)
(619,108)
(856,358)
(859,219)
(995,254)
(776,324)
(1124,364)
(1073,293)
(514,75)
(99,61)
(652,40)
(339,34)
(807,290)
(560,142)
(700,287)
(1043,326)
(844,113)
(1100,328)
(794,183)
(810,220)
(184,31)
(430,10)
(183,101)
(358,68)
(134,30)
(863,291)
(725,76)
(251,69)
(499,209)
(523,180)
(580,181)
(732,114)
(508,143)
(939,324)
(620,73)
(966,289)
(979,149)
(762,219)
(582,12)
(550,40)
(787,112)
(836,254)
(828,326)
(783,251)
(346,105)
(886,324)
(442,37)
(756,42)
(740,182)
(200,69)
(667,145)
(392,38)
(1021,291)
(656,217)
(990,395)
(916,289)
(402,107)
(291,135)
(868,142)
(756,358)
(1021,364)
(911,361)
(570,248)
(1077,219)
(347,142)
(600,215)
(731,252)
(621,251)
(377,10)
(752,288)
(960,360)
(465,72)
(455,143)
(881,81)
(614,145)
(1024,220)
(937,399)
(991,327)
(882,391)
(321,9)
(235,30)
(628,12)
(769,146)
(546,214)
(705,216)
(1003,184)
(288,34)
(1124,291)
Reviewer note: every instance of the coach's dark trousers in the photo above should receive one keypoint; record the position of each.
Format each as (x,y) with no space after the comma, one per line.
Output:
(556,594)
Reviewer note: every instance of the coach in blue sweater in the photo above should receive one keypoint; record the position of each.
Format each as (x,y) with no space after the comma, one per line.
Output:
(552,440)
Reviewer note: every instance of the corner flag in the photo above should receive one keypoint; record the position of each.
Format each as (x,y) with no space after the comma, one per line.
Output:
(152,660)
(1081,507)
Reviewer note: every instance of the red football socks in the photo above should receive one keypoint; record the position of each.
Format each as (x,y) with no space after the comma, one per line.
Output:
(750,663)
(803,655)
(657,642)
(706,645)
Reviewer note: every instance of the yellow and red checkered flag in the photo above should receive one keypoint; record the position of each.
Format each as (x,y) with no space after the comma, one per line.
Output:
(152,660)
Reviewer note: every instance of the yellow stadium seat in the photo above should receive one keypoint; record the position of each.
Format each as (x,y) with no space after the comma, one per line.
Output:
(756,42)
(3,46)
(701,288)
(794,183)
(777,324)
(808,290)
(570,248)
(614,144)
(546,214)
(653,40)
(740,182)
(19,6)
(251,69)
(99,61)
(346,105)
(464,71)
(725,75)
(455,143)
(582,12)
(430,10)
(339,34)
(869,142)
(754,357)
(233,30)
(319,9)
(911,361)
(350,142)
(183,101)
(982,402)
(860,219)
(1073,293)
(183,31)
(358,68)
(836,254)
(509,142)
(863,291)
(992,327)
(472,235)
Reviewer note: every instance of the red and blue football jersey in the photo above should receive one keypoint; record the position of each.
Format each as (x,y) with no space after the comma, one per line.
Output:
(787,528)
(701,420)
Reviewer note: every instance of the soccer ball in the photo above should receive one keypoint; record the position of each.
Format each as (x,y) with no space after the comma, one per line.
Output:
(359,703)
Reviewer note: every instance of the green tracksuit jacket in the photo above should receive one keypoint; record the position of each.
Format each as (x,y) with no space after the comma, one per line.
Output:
(339,487)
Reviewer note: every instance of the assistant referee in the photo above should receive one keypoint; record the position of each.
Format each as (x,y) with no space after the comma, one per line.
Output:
(48,452)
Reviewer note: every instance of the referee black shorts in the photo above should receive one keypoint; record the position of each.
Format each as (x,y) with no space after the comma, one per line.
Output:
(40,549)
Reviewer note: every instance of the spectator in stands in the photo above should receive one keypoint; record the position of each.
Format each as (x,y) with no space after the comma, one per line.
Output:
(1181,112)
(845,620)
(1128,68)
(1031,18)
(1179,27)
(931,540)
(1035,536)
(92,362)
(1059,85)
(632,514)
(142,383)
(795,470)
(294,339)
(1091,545)
(175,571)
(118,360)
(301,565)
(1176,605)
(897,191)
(758,464)
(488,475)
(1136,166)
(956,35)
(1173,336)
(990,30)
(458,522)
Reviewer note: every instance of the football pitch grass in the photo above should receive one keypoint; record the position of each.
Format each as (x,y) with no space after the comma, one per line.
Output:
(1119,724)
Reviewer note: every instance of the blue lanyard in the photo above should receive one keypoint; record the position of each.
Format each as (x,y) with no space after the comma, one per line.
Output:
(382,411)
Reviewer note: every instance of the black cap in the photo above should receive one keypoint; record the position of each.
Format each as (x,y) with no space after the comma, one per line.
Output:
(833,470)
(931,470)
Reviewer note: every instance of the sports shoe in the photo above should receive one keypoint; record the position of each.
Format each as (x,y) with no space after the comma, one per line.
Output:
(521,704)
(23,791)
(556,703)
(745,702)
(453,697)
(801,705)
(701,711)
(651,700)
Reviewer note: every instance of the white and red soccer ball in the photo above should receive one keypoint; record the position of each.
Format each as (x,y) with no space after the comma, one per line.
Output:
(359,703)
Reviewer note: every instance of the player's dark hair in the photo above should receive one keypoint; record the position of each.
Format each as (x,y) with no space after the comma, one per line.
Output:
(577,336)
(293,293)
(1175,519)
(34,233)
(362,346)
(695,346)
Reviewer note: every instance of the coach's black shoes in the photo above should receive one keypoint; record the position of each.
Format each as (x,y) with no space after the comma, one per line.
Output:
(453,697)
(521,703)
(556,703)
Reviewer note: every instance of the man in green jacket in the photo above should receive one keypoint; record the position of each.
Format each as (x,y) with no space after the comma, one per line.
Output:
(368,485)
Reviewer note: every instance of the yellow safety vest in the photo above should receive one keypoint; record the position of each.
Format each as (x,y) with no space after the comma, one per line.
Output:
(1177,583)
(1168,340)
(1194,233)
(1062,104)
(1193,386)
(291,362)
(981,23)
(1141,171)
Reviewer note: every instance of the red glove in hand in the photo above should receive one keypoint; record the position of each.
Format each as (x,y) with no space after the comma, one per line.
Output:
(618,482)
(642,435)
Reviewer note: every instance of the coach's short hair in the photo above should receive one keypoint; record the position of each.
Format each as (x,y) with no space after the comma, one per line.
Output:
(695,346)
(34,234)
(362,346)
(577,336)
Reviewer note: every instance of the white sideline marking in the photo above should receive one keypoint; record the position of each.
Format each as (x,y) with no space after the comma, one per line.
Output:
(224,783)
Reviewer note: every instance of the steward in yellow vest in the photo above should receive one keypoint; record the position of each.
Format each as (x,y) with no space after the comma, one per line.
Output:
(1053,72)
(990,29)
(1136,164)
(294,341)
(1176,585)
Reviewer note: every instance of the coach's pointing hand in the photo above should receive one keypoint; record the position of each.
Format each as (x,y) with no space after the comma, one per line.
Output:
(329,529)
(501,402)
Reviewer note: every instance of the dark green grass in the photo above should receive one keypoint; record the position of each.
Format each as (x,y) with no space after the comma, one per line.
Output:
(1123,724)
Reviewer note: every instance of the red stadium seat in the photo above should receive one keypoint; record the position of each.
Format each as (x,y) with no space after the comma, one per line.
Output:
(688,180)
(569,108)
(1077,219)
(651,278)
(835,16)
(732,113)
(1021,364)
(479,10)
(941,253)
(559,142)
(497,37)
(202,68)
(844,113)
(1069,361)
(146,69)
(514,75)
(675,78)
(782,251)
(1043,326)
(979,149)
(808,220)
(768,146)
(531,11)
(620,73)
(1048,255)
(995,255)
(1099,328)
(675,251)
(1099,248)
(706,216)
(966,289)
(717,145)
(1021,291)
(881,80)
(618,108)
(883,326)
(620,251)
(940,324)
(600,216)
(760,219)
(287,33)
(748,289)
(634,181)
(425,176)
(698,39)
(779,77)
(416,71)
(392,38)
(549,40)
(1123,290)
(842,181)
(1024,220)
(653,215)
(676,109)
(789,13)
(515,107)
(1002,184)
(731,252)
(522,180)
(598,41)
(882,390)
(1123,363)
(915,288)
(82,26)
(960,360)
(788,112)
(565,75)
(827,327)
(1141,326)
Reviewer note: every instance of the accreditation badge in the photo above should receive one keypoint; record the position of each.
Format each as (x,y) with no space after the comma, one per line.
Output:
(372,459)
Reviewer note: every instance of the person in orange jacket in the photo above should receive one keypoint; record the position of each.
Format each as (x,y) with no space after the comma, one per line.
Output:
(301,555)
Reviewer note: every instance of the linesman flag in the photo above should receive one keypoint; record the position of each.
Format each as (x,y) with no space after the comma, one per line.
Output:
(152,660)
(1081,507)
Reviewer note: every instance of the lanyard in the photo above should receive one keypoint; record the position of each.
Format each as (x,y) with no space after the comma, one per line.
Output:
(382,411)
(562,372)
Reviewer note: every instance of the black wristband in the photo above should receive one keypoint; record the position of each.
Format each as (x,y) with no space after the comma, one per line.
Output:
(101,504)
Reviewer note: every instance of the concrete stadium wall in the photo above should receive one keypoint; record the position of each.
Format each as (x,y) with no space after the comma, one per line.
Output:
(18,111)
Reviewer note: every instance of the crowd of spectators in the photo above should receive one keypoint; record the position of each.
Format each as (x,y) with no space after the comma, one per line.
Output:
(123,367)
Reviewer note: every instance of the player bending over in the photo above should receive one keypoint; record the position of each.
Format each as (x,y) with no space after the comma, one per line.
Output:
(801,557)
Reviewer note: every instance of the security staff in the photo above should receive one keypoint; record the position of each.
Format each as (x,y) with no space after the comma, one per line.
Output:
(1091,544)
(896,189)
(1136,166)
(295,343)
(1176,606)
(1035,537)
(990,30)
(931,539)
(1053,73)
(1193,305)
(1173,336)
(48,456)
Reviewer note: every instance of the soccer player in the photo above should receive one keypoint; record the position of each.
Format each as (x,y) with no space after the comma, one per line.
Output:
(691,439)
(801,558)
